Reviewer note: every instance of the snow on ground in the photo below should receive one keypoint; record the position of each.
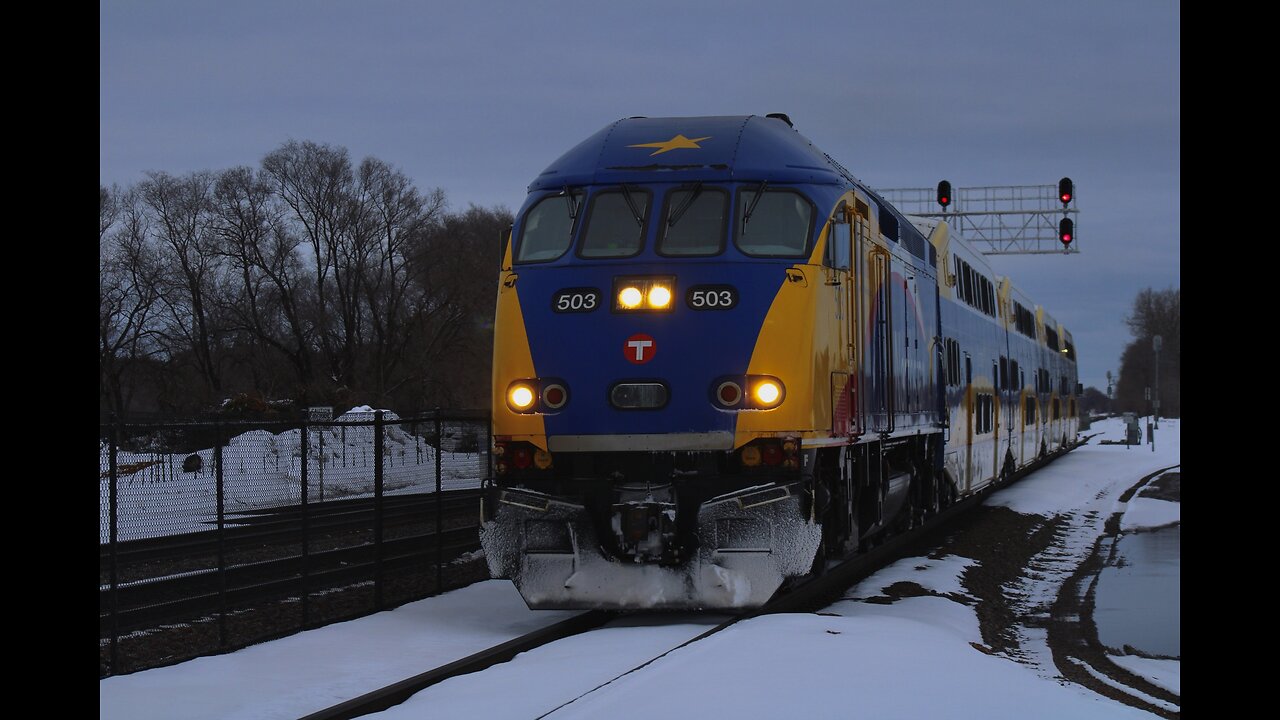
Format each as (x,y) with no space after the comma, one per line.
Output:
(916,657)
(1165,673)
(541,680)
(1085,488)
(1144,512)
(303,673)
(940,575)
(155,496)
(1107,680)
(911,659)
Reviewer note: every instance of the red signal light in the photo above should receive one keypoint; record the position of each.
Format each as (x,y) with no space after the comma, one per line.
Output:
(944,194)
(1066,191)
(1066,231)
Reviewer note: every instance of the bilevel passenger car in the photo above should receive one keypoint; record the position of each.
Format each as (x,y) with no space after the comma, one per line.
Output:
(721,360)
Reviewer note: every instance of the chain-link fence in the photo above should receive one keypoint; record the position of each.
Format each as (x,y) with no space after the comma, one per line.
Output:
(217,535)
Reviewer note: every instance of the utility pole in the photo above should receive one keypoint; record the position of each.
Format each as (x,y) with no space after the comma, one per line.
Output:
(1109,393)
(1156,342)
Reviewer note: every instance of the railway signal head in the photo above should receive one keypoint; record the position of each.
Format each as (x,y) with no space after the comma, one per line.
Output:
(1066,191)
(944,194)
(1066,232)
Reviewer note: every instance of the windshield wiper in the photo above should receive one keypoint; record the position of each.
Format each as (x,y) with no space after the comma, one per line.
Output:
(679,213)
(626,195)
(572,202)
(746,217)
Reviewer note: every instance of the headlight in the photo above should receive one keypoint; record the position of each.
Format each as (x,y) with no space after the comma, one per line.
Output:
(630,297)
(659,297)
(520,396)
(768,392)
(638,293)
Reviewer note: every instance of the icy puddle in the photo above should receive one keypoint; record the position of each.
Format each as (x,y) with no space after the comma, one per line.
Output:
(1137,596)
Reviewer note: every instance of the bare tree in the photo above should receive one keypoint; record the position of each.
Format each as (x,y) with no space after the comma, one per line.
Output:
(191,262)
(396,219)
(307,276)
(317,183)
(456,266)
(110,210)
(266,301)
(128,294)
(1155,312)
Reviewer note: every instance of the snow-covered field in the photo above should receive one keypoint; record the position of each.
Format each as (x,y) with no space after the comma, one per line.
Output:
(917,657)
(261,470)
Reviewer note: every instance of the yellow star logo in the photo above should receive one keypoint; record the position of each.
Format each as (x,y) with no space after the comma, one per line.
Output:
(679,142)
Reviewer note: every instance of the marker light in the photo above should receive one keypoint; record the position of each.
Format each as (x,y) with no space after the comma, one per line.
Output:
(729,393)
(542,459)
(520,396)
(771,453)
(659,297)
(630,297)
(751,456)
(554,396)
(767,392)
(521,457)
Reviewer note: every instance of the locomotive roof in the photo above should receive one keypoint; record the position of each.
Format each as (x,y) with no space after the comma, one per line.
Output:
(679,149)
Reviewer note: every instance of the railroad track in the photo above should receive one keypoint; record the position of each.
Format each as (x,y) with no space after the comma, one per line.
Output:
(147,603)
(279,524)
(805,596)
(264,559)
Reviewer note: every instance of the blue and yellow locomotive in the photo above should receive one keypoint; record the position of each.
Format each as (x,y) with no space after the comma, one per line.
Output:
(720,360)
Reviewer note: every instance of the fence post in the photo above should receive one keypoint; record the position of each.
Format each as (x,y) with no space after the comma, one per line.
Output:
(439,509)
(302,494)
(377,510)
(222,556)
(113,524)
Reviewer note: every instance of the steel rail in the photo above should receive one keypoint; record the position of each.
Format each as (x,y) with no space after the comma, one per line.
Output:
(275,523)
(145,604)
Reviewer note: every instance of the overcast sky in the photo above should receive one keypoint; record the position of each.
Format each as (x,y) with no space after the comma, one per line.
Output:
(478,97)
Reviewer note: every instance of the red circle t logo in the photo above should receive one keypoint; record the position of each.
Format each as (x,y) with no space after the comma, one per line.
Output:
(640,348)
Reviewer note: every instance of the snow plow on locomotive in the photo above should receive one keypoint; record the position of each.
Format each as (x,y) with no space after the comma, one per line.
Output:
(720,359)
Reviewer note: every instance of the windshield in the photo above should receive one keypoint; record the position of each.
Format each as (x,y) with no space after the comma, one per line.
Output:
(694,222)
(778,224)
(615,224)
(548,228)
